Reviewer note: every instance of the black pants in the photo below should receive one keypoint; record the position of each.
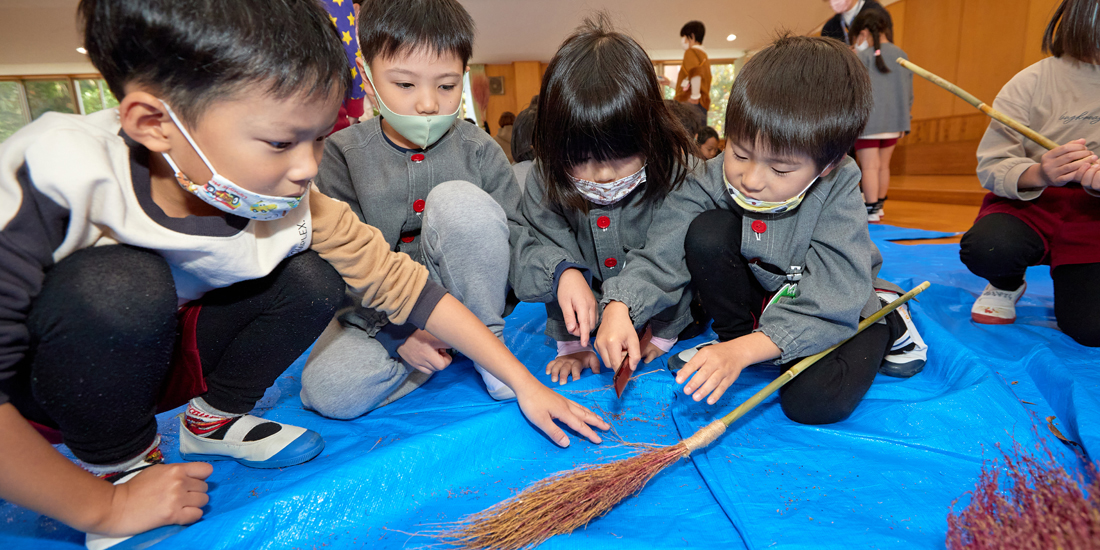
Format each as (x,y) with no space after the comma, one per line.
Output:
(1000,247)
(103,329)
(826,392)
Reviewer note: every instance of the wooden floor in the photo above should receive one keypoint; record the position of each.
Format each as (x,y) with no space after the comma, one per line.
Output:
(936,203)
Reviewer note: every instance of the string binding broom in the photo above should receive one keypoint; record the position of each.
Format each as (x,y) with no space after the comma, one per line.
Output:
(568,500)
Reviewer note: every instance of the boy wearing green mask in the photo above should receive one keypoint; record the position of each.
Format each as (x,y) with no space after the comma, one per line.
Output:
(778,250)
(437,188)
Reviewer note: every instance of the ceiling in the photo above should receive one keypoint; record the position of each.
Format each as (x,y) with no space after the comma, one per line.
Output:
(43,32)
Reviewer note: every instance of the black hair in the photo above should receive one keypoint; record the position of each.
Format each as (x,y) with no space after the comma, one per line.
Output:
(686,116)
(802,95)
(1074,31)
(523,132)
(878,22)
(706,133)
(695,30)
(389,28)
(600,100)
(192,53)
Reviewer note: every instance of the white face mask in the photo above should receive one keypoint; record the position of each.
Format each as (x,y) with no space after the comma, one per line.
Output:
(863,45)
(766,207)
(684,42)
(423,130)
(840,6)
(604,194)
(223,194)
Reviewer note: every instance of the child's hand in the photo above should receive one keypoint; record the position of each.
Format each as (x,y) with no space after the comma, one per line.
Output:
(1091,178)
(578,305)
(651,352)
(165,494)
(573,363)
(617,337)
(715,368)
(1066,163)
(425,352)
(542,406)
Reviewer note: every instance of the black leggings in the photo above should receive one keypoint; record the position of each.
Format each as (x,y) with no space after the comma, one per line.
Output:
(826,392)
(1000,247)
(103,329)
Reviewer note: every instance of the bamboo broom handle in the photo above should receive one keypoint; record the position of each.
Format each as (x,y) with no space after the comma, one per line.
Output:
(805,363)
(993,113)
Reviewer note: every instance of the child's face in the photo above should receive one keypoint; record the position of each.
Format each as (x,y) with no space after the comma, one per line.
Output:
(418,82)
(762,175)
(266,145)
(709,148)
(607,171)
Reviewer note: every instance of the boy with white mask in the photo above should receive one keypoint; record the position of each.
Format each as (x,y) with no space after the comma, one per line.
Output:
(437,188)
(777,250)
(693,82)
(174,251)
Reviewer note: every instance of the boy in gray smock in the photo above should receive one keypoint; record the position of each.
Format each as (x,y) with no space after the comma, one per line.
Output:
(778,250)
(436,187)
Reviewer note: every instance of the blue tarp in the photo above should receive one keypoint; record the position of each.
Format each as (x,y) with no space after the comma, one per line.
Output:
(884,478)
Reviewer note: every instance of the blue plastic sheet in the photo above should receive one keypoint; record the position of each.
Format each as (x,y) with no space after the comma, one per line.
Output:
(884,478)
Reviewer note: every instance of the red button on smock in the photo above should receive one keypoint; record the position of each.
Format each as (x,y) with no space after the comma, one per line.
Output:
(759,226)
(407,239)
(418,158)
(418,206)
(610,262)
(603,222)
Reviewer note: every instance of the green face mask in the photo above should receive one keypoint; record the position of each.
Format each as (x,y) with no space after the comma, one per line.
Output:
(423,130)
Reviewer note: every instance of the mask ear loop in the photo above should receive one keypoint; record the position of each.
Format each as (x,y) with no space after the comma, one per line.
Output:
(187,136)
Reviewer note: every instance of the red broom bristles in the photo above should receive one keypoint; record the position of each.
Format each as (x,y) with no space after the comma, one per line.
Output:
(1041,507)
(562,503)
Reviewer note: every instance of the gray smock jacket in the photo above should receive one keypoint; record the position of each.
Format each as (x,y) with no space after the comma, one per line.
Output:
(893,91)
(600,243)
(385,185)
(823,245)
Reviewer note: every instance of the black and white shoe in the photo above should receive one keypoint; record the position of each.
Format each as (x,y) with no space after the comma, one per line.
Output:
(677,362)
(909,353)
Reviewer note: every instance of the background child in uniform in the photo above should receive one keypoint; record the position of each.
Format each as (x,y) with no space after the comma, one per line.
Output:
(607,153)
(436,187)
(892,89)
(196,191)
(777,217)
(1044,206)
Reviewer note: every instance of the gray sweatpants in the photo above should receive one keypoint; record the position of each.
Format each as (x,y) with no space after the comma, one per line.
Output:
(464,242)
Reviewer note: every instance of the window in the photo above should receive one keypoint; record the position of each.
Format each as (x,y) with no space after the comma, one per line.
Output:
(13,112)
(23,99)
(94,96)
(722,74)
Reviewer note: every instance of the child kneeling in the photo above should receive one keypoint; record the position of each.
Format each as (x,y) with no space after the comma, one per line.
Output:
(778,250)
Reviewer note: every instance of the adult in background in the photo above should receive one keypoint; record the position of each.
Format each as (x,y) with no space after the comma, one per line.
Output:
(846,12)
(504,134)
(693,84)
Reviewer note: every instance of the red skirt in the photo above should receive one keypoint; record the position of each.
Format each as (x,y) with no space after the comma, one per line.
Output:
(1067,218)
(184,380)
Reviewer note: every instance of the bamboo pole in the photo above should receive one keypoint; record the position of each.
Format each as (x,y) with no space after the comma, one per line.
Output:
(967,97)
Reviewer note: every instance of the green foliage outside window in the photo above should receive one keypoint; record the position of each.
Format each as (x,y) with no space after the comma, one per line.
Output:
(49,95)
(11,109)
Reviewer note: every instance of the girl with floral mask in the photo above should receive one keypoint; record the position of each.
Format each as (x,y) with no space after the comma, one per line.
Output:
(607,151)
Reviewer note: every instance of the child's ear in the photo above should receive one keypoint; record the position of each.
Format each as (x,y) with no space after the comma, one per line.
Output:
(144,119)
(369,91)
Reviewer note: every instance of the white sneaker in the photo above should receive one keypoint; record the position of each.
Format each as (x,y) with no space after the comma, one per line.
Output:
(281,445)
(909,353)
(497,389)
(996,306)
(874,217)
